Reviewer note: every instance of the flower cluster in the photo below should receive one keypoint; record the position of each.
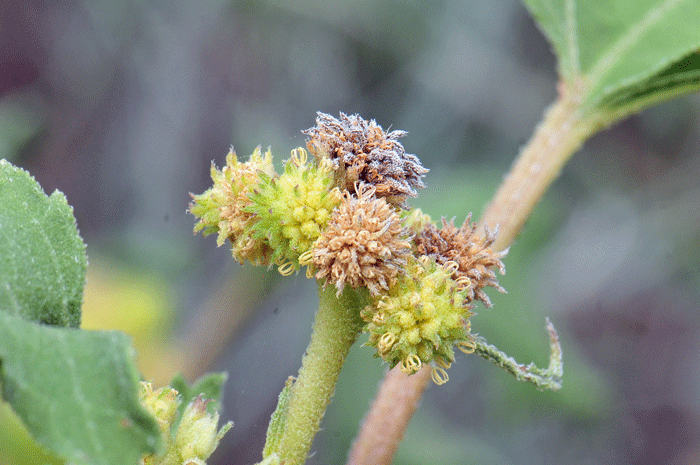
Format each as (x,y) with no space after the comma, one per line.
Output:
(364,244)
(472,253)
(196,435)
(291,211)
(360,150)
(344,216)
(420,319)
(269,219)
(224,208)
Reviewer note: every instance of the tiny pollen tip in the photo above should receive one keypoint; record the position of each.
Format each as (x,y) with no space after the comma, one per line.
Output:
(309,273)
(442,363)
(467,347)
(439,376)
(451,266)
(364,191)
(411,364)
(299,156)
(286,268)
(386,342)
(306,258)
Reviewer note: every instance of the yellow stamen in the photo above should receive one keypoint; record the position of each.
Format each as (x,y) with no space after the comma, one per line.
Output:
(411,364)
(306,258)
(439,376)
(463,283)
(451,266)
(442,363)
(299,156)
(286,268)
(467,347)
(386,342)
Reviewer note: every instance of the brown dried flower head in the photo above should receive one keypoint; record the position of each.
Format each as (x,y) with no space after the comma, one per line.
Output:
(364,244)
(473,255)
(360,150)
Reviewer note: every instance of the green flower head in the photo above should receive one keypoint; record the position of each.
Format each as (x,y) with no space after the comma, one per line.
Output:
(222,208)
(291,211)
(420,319)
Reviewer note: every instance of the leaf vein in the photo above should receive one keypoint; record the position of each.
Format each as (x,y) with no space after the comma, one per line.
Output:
(54,259)
(572,38)
(627,40)
(81,400)
(12,245)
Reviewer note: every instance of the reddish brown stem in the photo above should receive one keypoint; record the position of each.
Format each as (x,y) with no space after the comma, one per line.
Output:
(379,436)
(556,139)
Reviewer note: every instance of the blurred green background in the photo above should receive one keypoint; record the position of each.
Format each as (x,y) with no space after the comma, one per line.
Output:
(122,105)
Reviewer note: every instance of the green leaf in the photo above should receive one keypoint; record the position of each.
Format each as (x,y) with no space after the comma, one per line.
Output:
(76,391)
(209,386)
(42,257)
(17,447)
(278,421)
(623,55)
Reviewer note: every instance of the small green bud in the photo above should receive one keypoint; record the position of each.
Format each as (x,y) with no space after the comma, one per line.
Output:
(415,220)
(197,436)
(161,403)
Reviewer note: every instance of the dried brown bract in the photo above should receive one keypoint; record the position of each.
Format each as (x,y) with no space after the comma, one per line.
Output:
(471,253)
(364,244)
(360,150)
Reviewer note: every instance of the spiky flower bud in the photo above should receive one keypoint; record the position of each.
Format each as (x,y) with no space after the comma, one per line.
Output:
(472,253)
(292,210)
(196,436)
(420,319)
(415,220)
(222,208)
(364,244)
(161,403)
(360,150)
